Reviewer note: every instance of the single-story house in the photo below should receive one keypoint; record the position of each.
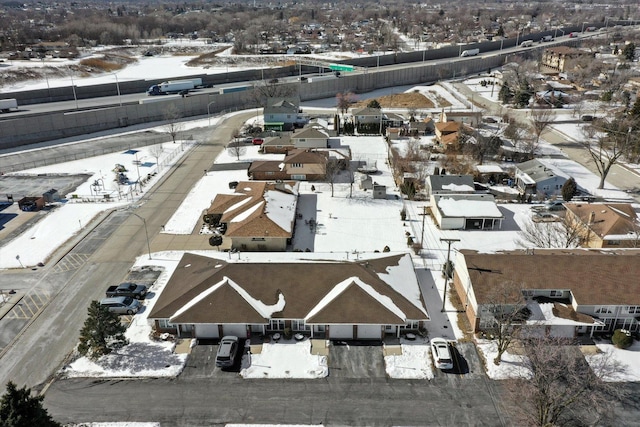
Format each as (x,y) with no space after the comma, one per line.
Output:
(449,184)
(299,165)
(258,216)
(340,300)
(605,225)
(465,211)
(538,176)
(470,118)
(310,138)
(280,144)
(424,127)
(591,290)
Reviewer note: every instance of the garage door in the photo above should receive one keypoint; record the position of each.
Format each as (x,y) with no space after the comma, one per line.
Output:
(341,332)
(238,330)
(207,331)
(473,224)
(369,332)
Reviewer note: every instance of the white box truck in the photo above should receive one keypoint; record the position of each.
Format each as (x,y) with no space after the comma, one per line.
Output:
(159,99)
(7,104)
(526,43)
(174,86)
(470,52)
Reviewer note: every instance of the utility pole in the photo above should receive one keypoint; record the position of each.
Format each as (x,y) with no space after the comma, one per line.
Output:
(446,268)
(424,215)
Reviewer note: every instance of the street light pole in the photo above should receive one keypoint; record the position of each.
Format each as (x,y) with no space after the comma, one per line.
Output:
(118,87)
(73,87)
(209,112)
(144,221)
(446,268)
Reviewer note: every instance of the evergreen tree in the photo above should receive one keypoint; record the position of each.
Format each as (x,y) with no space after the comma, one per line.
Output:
(629,51)
(635,110)
(102,332)
(505,95)
(569,189)
(19,409)
(373,104)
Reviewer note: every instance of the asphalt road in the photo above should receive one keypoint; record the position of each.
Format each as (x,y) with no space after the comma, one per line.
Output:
(444,401)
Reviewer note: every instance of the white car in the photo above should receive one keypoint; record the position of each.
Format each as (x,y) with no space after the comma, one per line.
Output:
(441,354)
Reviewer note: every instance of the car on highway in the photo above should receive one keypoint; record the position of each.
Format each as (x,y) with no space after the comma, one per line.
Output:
(257,141)
(121,305)
(227,350)
(441,353)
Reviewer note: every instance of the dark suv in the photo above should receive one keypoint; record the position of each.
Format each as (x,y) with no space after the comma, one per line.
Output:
(227,352)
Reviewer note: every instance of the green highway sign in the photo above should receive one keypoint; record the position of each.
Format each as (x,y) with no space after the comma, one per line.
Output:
(340,67)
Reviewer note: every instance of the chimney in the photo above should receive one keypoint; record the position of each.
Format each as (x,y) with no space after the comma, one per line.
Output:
(592,217)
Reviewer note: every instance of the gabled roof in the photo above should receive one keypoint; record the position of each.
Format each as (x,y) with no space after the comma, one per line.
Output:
(451,183)
(606,219)
(380,290)
(594,277)
(467,206)
(282,139)
(258,209)
(448,127)
(281,105)
(538,170)
(305,157)
(367,112)
(310,133)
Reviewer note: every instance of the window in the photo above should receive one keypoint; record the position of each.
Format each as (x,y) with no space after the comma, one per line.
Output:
(603,310)
(164,324)
(632,309)
(299,177)
(257,239)
(302,140)
(411,325)
(612,242)
(298,325)
(296,165)
(527,293)
(276,324)
(556,293)
(269,173)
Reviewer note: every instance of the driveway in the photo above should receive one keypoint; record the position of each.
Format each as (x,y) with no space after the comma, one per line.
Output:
(356,359)
(201,362)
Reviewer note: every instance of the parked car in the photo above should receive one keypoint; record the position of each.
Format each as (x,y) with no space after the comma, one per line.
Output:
(121,305)
(257,141)
(127,289)
(227,350)
(545,217)
(554,205)
(441,354)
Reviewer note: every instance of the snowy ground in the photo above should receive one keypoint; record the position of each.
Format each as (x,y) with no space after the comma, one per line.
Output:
(346,225)
(626,359)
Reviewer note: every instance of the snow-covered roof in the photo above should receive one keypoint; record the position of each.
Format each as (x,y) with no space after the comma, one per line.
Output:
(468,205)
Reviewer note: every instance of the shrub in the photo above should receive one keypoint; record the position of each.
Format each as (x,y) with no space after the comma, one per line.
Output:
(403,214)
(622,339)
(409,241)
(288,333)
(386,249)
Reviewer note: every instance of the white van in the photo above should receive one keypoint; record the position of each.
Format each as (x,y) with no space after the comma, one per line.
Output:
(526,43)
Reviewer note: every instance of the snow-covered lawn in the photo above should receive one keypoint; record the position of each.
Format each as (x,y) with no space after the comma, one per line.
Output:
(627,361)
(286,359)
(511,366)
(413,363)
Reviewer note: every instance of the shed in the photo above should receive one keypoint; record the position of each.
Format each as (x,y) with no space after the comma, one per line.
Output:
(30,204)
(51,196)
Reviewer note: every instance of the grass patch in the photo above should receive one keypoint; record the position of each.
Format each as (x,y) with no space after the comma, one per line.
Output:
(107,63)
(400,100)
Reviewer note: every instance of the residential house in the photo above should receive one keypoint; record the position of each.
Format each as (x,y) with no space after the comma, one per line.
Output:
(299,165)
(360,299)
(281,113)
(448,133)
(367,116)
(555,59)
(469,118)
(309,138)
(589,290)
(280,144)
(449,184)
(258,216)
(424,127)
(465,211)
(539,177)
(605,225)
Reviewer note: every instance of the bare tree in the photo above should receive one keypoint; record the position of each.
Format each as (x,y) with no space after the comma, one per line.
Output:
(560,234)
(506,311)
(173,127)
(156,151)
(236,148)
(559,388)
(269,89)
(613,140)
(345,100)
(541,118)
(331,174)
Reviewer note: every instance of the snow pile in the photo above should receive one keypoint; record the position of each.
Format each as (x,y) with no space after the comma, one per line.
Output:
(286,359)
(511,366)
(413,363)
